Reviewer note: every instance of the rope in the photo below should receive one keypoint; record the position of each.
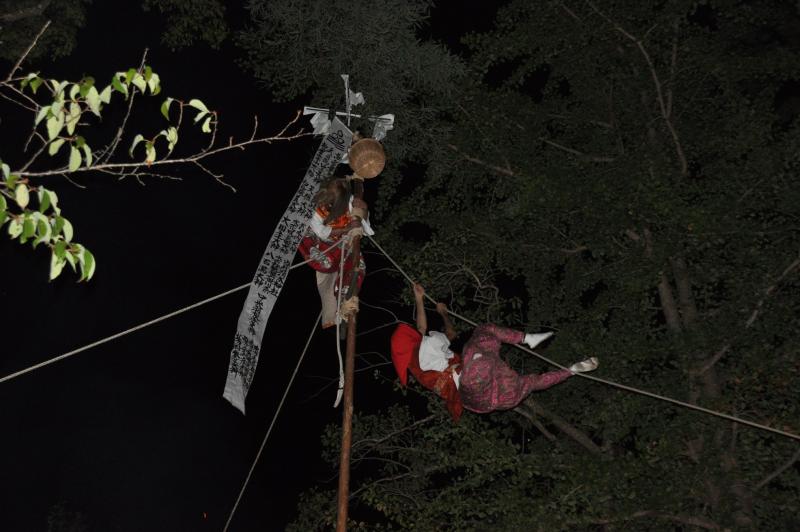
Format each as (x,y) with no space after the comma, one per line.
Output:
(340,389)
(139,327)
(604,381)
(121,334)
(272,424)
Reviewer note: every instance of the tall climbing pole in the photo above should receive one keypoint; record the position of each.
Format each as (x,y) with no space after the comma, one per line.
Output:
(367,159)
(349,365)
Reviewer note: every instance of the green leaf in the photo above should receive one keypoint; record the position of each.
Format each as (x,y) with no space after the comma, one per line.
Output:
(14,228)
(36,83)
(129,75)
(60,248)
(6,170)
(3,216)
(41,114)
(44,199)
(199,116)
(27,79)
(139,82)
(88,264)
(55,146)
(3,204)
(154,83)
(54,201)
(43,231)
(118,86)
(136,140)
(87,84)
(147,72)
(21,195)
(73,92)
(73,117)
(28,229)
(56,106)
(70,257)
(93,100)
(197,104)
(58,224)
(67,230)
(206,128)
(165,107)
(74,159)
(11,181)
(56,265)
(54,125)
(172,138)
(105,95)
(87,154)
(150,153)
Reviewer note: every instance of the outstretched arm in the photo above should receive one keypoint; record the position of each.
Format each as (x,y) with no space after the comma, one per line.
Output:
(449,330)
(422,319)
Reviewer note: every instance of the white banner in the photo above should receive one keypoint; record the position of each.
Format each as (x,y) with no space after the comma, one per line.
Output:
(274,266)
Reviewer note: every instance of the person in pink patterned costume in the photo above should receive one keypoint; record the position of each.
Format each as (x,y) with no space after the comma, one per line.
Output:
(488,383)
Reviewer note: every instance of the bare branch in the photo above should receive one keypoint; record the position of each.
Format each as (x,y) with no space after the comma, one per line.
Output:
(579,154)
(571,13)
(535,422)
(494,168)
(564,426)
(106,155)
(772,476)
(700,522)
(26,12)
(672,64)
(665,113)
(41,6)
(753,316)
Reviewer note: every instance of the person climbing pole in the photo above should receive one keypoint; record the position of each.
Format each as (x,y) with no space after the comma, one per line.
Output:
(337,214)
(477,379)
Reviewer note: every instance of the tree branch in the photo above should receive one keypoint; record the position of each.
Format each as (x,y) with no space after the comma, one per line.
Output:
(564,426)
(495,168)
(772,476)
(665,112)
(30,47)
(753,316)
(700,522)
(579,154)
(190,159)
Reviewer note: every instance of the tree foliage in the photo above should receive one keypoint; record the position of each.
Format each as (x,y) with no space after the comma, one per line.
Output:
(21,19)
(624,173)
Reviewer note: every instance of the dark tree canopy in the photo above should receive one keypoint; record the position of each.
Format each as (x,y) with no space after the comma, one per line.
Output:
(624,174)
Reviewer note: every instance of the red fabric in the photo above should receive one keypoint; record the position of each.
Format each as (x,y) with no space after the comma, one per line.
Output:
(405,346)
(405,356)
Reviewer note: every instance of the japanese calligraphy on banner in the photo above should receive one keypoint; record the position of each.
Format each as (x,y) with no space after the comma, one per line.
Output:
(274,265)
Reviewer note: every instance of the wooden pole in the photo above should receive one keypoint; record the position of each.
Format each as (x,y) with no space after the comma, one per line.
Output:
(349,364)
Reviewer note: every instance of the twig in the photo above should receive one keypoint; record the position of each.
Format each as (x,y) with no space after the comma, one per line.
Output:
(27,51)
(772,476)
(665,113)
(495,168)
(580,154)
(686,520)
(191,159)
(106,155)
(749,323)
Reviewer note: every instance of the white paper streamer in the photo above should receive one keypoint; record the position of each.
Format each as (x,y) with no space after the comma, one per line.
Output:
(274,265)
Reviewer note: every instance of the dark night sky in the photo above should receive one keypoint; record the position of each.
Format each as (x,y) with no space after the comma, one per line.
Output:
(135,434)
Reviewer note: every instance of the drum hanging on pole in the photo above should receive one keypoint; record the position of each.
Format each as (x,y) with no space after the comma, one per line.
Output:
(367,158)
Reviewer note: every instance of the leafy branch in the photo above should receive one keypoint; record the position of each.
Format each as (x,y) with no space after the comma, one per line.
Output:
(63,111)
